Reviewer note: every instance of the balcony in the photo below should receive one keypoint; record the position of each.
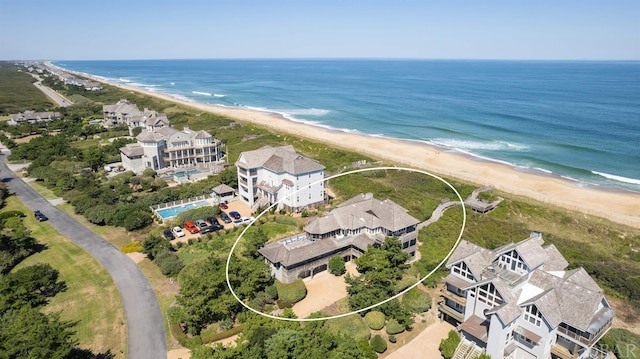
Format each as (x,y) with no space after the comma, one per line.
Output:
(453,297)
(443,308)
(562,352)
(576,335)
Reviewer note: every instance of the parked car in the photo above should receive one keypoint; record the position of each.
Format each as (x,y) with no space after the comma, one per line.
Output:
(40,216)
(201,223)
(178,232)
(224,206)
(225,217)
(211,228)
(213,220)
(168,234)
(192,228)
(242,221)
(235,215)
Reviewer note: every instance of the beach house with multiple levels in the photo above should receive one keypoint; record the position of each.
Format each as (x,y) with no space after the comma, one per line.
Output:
(32,117)
(346,231)
(158,148)
(126,113)
(520,301)
(279,175)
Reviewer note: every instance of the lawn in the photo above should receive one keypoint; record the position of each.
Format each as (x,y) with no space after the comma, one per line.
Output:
(91,299)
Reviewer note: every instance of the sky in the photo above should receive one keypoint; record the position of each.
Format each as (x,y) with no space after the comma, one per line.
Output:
(416,29)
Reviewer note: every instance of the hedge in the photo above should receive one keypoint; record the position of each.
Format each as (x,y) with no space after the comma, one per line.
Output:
(375,320)
(378,344)
(210,338)
(393,327)
(291,292)
(448,346)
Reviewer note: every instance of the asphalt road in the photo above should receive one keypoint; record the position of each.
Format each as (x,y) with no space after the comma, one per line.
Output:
(59,100)
(145,326)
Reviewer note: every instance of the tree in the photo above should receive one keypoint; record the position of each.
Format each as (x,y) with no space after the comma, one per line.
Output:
(27,333)
(29,286)
(229,176)
(283,344)
(254,240)
(153,244)
(336,266)
(378,344)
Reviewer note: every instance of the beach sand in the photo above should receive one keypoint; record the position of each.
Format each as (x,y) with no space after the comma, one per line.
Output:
(618,206)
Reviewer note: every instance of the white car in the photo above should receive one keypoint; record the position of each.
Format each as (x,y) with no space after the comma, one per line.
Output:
(178,231)
(243,220)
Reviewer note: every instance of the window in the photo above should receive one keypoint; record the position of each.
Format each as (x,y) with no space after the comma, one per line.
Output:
(532,315)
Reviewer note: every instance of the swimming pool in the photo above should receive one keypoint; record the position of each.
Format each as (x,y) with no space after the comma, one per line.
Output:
(171,212)
(187,173)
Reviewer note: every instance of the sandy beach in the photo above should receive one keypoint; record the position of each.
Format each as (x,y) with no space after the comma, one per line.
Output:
(618,206)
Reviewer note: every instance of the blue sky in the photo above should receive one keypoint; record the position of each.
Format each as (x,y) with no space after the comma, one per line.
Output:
(452,29)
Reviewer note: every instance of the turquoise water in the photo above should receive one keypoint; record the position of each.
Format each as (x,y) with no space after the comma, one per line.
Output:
(187,173)
(171,212)
(575,119)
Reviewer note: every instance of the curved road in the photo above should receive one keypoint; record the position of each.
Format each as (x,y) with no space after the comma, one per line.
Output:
(145,325)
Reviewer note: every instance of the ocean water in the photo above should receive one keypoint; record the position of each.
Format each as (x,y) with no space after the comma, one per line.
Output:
(578,120)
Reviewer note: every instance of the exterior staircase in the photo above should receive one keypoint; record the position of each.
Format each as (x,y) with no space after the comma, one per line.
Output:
(464,348)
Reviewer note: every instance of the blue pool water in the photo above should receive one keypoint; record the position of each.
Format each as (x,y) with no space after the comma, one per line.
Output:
(187,173)
(167,213)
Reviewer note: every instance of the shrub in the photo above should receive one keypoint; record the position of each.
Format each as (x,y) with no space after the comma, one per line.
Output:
(292,292)
(352,326)
(448,346)
(417,301)
(9,214)
(392,339)
(168,262)
(621,342)
(374,320)
(378,344)
(131,247)
(393,327)
(336,266)
(209,338)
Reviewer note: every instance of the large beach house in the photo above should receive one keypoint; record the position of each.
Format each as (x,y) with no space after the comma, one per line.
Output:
(31,117)
(126,113)
(279,175)
(520,301)
(162,147)
(346,232)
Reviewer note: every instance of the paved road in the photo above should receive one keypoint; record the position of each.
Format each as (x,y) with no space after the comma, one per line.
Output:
(145,326)
(61,101)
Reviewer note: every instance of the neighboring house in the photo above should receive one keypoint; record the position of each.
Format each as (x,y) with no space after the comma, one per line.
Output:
(520,301)
(346,232)
(148,119)
(279,175)
(31,117)
(168,147)
(120,113)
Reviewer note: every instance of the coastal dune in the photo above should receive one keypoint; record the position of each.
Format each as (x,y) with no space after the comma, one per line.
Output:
(616,205)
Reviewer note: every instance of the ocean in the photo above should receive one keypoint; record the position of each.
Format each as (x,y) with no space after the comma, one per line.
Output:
(579,120)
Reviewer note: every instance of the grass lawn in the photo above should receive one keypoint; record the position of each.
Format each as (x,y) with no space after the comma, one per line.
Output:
(166,293)
(91,299)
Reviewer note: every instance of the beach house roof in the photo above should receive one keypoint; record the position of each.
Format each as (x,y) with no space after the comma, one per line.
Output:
(278,159)
(363,211)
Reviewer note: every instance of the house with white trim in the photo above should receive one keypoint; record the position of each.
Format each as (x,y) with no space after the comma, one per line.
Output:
(167,147)
(521,301)
(347,231)
(279,175)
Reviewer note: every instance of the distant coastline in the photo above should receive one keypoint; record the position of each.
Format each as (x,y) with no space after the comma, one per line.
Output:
(618,205)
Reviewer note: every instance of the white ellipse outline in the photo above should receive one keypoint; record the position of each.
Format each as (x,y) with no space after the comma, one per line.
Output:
(464,222)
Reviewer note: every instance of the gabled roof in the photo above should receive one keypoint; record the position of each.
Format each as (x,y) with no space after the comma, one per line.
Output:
(530,250)
(363,211)
(278,159)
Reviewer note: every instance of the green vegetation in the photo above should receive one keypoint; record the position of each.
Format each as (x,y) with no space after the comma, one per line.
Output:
(417,300)
(32,293)
(378,344)
(336,266)
(291,293)
(623,343)
(375,320)
(17,93)
(448,346)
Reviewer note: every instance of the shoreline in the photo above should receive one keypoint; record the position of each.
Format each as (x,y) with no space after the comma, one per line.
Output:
(618,205)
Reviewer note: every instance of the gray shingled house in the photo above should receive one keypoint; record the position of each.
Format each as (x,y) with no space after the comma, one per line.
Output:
(346,231)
